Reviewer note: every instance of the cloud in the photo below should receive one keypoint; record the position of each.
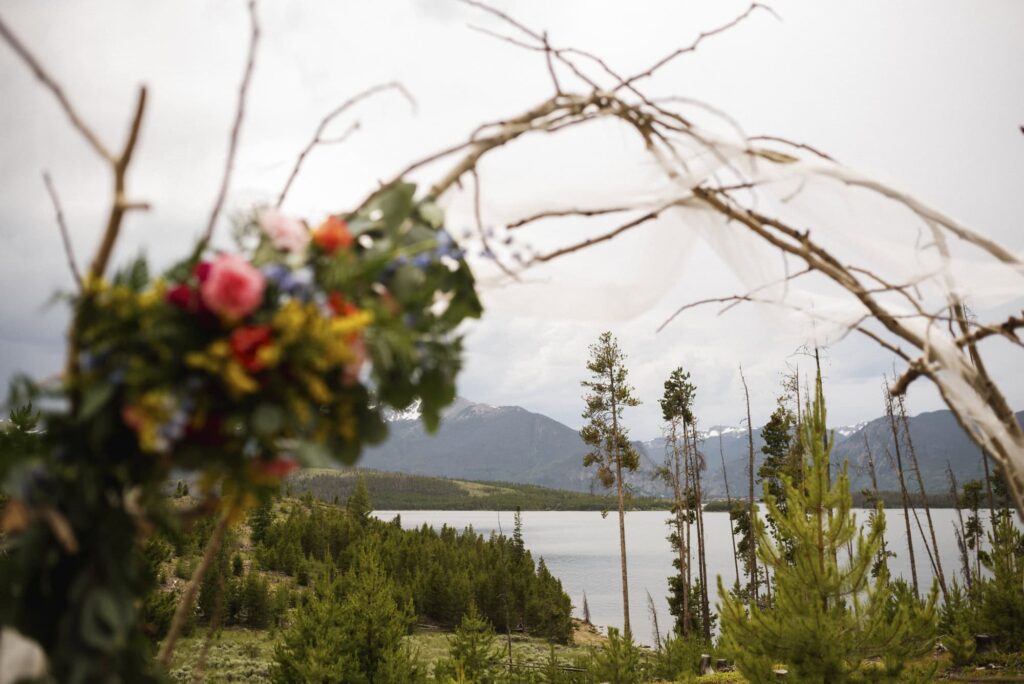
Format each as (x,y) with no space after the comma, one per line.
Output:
(917,95)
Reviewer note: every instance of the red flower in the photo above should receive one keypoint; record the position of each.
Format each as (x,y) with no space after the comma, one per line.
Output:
(183,297)
(332,234)
(246,343)
(341,306)
(201,271)
(279,467)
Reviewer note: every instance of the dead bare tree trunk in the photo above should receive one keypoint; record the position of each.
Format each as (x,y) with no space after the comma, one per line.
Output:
(901,404)
(874,484)
(961,533)
(988,492)
(654,622)
(903,487)
(750,494)
(728,499)
(698,466)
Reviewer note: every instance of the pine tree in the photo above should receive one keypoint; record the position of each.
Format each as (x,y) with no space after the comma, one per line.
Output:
(351,630)
(1002,595)
(608,394)
(619,661)
(260,520)
(826,619)
(472,651)
(358,504)
(677,412)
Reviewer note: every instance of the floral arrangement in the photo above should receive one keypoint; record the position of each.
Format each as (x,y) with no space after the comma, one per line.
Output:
(244,364)
(238,365)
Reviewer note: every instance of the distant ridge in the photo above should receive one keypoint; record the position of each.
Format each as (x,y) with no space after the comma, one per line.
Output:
(510,444)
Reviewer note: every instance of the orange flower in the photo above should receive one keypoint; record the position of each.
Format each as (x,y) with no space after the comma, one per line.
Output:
(341,306)
(332,234)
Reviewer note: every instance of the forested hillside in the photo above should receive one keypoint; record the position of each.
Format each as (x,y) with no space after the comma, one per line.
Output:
(398,491)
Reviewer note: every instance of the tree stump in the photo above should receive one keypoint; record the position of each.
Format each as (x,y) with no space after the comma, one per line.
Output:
(705,664)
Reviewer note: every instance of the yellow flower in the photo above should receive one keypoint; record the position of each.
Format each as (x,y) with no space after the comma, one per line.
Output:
(238,381)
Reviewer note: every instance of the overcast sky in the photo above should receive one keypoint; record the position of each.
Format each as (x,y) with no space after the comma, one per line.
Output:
(928,96)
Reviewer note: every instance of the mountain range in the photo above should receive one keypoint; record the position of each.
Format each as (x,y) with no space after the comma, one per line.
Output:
(510,444)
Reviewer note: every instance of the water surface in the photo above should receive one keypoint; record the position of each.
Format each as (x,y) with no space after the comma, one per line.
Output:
(582,549)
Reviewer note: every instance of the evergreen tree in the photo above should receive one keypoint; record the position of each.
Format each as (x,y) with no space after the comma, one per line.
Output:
(826,619)
(1002,595)
(677,412)
(517,534)
(619,661)
(350,631)
(473,652)
(608,394)
(260,520)
(358,505)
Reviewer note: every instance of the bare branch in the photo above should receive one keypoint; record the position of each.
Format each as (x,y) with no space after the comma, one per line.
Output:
(188,597)
(483,231)
(692,47)
(65,238)
(243,92)
(557,213)
(57,91)
(791,143)
(318,138)
(604,237)
(120,204)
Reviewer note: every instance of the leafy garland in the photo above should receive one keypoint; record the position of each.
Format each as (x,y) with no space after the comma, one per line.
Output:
(239,366)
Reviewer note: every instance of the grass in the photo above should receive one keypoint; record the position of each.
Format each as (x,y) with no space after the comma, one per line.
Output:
(245,655)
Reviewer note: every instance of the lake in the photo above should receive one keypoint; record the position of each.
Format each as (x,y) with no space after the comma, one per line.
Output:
(581,548)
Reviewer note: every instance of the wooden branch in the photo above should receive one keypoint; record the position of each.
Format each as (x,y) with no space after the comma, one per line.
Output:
(318,138)
(58,92)
(120,204)
(692,47)
(243,92)
(1005,329)
(188,598)
(557,213)
(62,226)
(488,251)
(590,242)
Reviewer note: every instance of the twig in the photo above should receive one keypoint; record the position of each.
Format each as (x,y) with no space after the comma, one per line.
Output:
(243,92)
(318,138)
(650,216)
(188,597)
(692,47)
(121,204)
(65,238)
(483,231)
(57,91)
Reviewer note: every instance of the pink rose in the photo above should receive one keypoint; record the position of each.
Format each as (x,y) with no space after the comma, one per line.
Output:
(286,233)
(233,289)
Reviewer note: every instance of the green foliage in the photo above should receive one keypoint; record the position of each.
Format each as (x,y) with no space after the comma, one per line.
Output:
(351,630)
(358,505)
(826,618)
(401,491)
(608,394)
(260,519)
(439,572)
(619,661)
(1001,612)
(956,617)
(473,652)
(680,655)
